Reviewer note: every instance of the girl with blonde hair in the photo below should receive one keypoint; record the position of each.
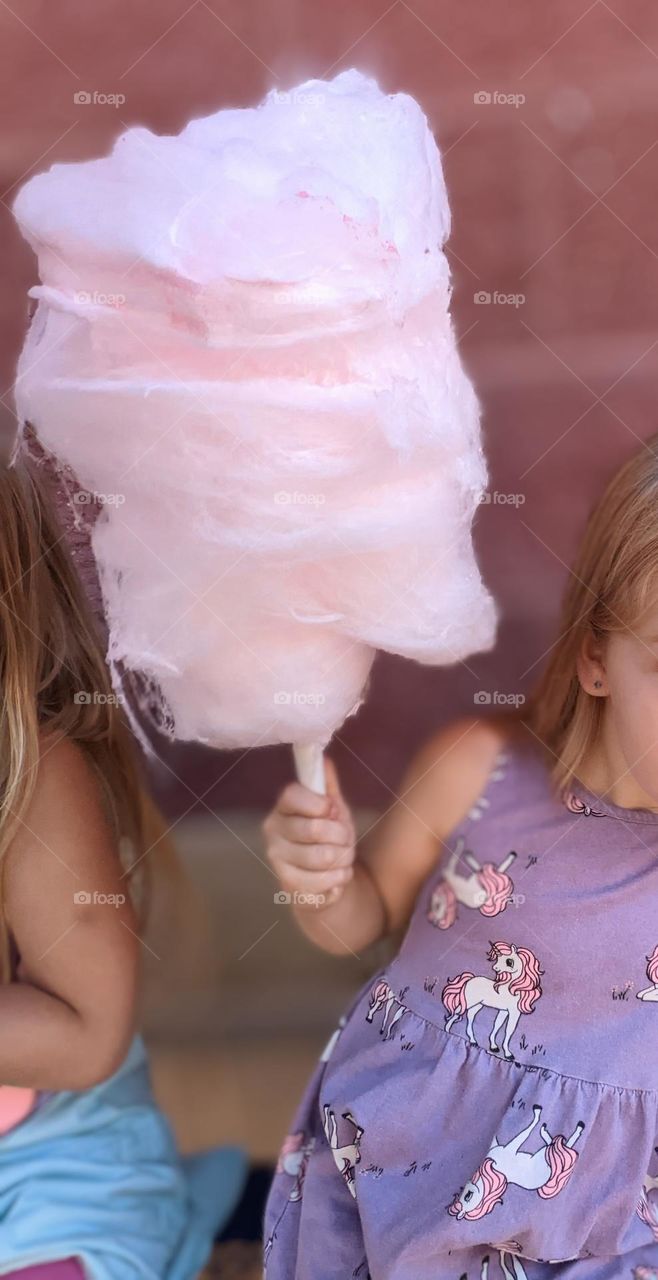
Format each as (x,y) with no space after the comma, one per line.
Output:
(91,1184)
(500,1072)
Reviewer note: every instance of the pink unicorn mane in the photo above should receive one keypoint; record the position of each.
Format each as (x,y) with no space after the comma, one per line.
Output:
(453,993)
(498,887)
(652,966)
(443,906)
(495,1185)
(561,1160)
(527,985)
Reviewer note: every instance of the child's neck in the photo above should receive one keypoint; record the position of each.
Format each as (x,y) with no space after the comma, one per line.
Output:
(606,773)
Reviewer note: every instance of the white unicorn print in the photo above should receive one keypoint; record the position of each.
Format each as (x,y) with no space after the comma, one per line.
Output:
(646,1209)
(348,1156)
(479,808)
(651,993)
(488,889)
(384,997)
(517,1271)
(514,990)
(333,1040)
(546,1171)
(293,1160)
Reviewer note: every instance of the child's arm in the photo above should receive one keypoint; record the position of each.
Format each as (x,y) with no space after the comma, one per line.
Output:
(366,894)
(68,1021)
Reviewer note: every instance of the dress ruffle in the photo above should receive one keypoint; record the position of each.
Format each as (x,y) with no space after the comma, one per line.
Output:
(518,1135)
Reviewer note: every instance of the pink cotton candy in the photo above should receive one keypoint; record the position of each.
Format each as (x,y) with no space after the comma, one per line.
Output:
(243,349)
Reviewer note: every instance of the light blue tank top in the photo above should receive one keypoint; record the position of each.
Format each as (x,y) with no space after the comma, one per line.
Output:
(96,1175)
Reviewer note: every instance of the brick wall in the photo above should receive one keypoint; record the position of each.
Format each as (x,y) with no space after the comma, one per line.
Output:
(553,199)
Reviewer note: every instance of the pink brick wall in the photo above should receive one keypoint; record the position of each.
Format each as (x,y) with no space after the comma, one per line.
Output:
(553,198)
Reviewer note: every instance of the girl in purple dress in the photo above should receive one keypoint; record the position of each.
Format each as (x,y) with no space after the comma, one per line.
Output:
(489,1106)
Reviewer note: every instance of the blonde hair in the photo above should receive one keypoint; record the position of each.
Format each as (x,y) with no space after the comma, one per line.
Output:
(53,679)
(608,591)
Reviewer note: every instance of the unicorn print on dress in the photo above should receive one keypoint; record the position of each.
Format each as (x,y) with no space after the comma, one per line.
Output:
(487,889)
(515,1270)
(384,997)
(514,990)
(646,1209)
(346,1157)
(651,993)
(479,809)
(575,804)
(293,1160)
(546,1171)
(332,1041)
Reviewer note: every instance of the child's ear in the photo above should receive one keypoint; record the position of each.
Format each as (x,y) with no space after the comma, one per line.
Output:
(590,665)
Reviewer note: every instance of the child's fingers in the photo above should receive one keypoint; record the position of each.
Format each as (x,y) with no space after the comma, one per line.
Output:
(297,799)
(332,782)
(312,831)
(312,857)
(314,882)
(339,808)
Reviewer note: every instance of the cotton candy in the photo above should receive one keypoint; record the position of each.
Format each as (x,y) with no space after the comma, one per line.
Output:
(242,347)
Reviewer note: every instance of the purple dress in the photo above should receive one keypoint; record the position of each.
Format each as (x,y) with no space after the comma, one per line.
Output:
(489,1107)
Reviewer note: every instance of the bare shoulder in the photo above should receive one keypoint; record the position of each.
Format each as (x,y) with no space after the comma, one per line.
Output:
(63,763)
(66,773)
(66,815)
(452,767)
